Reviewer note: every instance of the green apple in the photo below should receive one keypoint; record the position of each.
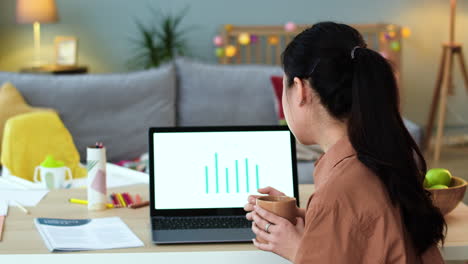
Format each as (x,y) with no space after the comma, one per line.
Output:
(438,176)
(426,184)
(439,186)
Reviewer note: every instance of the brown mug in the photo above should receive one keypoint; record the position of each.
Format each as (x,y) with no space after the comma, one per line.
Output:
(283,206)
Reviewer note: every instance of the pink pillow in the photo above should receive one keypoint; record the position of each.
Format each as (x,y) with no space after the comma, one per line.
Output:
(277,82)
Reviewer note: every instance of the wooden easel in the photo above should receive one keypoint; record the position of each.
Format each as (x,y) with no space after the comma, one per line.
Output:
(444,85)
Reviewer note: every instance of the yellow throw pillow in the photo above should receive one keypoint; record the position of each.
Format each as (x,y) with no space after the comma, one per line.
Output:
(30,138)
(12,103)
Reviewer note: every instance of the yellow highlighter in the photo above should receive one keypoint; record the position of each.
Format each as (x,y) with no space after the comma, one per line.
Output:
(78,201)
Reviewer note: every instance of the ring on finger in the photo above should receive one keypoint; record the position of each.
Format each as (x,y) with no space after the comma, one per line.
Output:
(267,226)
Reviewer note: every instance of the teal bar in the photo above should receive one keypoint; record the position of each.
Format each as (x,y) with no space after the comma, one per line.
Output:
(247,174)
(258,183)
(206,178)
(216,167)
(237,176)
(227,180)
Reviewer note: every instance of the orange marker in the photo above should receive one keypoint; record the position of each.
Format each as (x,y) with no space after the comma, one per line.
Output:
(138,199)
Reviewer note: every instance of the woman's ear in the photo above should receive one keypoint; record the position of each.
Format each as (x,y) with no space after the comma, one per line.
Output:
(301,91)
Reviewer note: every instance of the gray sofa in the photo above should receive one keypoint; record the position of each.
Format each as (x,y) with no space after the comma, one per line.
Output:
(117,109)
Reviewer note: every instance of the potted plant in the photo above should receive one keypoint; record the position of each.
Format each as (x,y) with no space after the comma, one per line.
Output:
(159,41)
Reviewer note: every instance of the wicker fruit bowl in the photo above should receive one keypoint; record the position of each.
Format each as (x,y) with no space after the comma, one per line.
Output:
(447,199)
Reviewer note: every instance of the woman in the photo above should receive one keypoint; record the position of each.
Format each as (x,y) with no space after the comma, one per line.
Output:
(369,204)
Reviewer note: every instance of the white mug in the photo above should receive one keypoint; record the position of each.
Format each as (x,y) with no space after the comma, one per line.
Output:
(52,178)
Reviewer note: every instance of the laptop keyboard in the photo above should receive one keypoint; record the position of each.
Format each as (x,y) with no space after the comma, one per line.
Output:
(200,222)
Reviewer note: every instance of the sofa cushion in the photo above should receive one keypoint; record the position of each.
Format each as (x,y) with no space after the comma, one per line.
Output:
(213,94)
(12,104)
(116,109)
(277,82)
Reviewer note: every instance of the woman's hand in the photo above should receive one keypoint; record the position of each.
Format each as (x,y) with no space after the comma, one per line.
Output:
(282,238)
(253,199)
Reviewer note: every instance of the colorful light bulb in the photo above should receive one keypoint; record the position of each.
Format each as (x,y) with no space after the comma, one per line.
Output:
(244,38)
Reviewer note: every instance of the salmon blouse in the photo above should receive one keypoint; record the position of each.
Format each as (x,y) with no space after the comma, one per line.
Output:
(350,218)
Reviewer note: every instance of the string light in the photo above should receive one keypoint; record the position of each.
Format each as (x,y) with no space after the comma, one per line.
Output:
(290,27)
(392,34)
(395,45)
(228,27)
(273,40)
(230,51)
(244,39)
(218,41)
(253,39)
(406,32)
(219,52)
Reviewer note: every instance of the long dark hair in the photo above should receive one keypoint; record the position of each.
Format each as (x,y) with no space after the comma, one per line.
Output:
(357,85)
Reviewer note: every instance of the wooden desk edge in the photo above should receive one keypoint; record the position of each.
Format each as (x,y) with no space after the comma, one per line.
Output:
(138,222)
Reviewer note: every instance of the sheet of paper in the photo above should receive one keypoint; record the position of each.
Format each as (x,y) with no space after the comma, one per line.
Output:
(24,197)
(15,183)
(3,208)
(117,176)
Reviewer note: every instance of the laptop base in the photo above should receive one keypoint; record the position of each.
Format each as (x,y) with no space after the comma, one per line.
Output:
(218,235)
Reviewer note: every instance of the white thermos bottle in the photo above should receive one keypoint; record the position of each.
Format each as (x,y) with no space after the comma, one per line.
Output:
(97,189)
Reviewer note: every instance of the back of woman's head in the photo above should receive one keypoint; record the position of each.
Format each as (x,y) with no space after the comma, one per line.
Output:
(357,85)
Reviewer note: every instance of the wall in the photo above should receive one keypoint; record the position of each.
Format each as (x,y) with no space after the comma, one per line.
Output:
(104,29)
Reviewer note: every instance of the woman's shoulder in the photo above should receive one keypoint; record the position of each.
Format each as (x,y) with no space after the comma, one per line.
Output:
(352,188)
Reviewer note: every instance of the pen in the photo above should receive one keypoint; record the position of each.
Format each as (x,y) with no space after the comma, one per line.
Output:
(124,198)
(138,205)
(129,196)
(20,207)
(114,200)
(127,199)
(78,201)
(117,200)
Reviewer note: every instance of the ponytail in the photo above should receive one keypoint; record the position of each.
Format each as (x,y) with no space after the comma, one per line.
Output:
(357,85)
(382,142)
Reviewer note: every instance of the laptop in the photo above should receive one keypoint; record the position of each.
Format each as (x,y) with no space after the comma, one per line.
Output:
(200,178)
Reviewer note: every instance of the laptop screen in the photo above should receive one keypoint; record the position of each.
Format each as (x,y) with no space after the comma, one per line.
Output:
(219,169)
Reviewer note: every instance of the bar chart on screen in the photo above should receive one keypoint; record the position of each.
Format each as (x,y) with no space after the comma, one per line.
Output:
(237,178)
(219,170)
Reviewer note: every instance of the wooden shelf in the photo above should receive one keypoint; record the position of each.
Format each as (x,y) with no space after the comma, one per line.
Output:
(56,69)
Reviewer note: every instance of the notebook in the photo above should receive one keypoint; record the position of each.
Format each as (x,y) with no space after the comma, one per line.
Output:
(86,234)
